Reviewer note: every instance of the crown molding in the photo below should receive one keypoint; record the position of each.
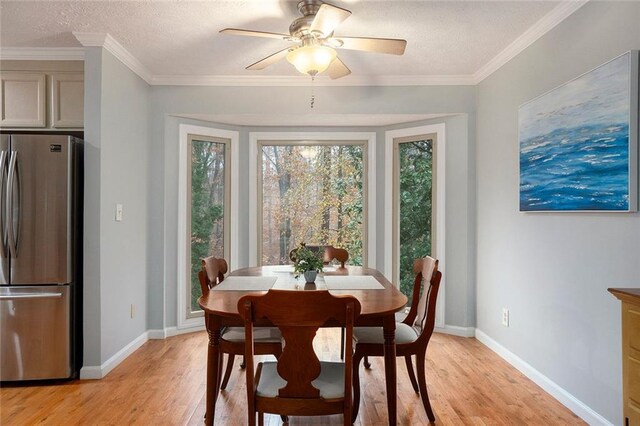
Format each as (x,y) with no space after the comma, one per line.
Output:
(90,39)
(42,53)
(537,30)
(230,80)
(110,44)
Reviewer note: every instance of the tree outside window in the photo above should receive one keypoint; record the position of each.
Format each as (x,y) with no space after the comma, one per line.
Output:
(312,194)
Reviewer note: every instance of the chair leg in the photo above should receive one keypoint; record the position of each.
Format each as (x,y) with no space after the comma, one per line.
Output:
(412,376)
(285,419)
(220,362)
(243,364)
(227,373)
(422,380)
(356,386)
(342,344)
(366,363)
(260,418)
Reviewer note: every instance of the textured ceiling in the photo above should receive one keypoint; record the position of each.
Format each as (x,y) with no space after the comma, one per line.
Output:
(181,37)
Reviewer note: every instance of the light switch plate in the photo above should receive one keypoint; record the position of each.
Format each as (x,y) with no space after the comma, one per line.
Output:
(118,212)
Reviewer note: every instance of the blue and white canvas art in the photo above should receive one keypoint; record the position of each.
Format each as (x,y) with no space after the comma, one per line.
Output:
(575,148)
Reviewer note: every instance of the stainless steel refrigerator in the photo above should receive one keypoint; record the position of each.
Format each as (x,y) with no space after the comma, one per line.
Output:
(40,230)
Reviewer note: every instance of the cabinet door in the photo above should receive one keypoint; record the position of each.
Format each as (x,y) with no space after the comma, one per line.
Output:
(22,99)
(67,100)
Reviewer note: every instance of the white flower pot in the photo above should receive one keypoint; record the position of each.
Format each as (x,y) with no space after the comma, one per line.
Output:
(310,276)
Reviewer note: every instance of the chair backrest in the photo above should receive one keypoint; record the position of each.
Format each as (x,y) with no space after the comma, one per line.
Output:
(211,273)
(330,253)
(339,254)
(423,307)
(298,315)
(313,248)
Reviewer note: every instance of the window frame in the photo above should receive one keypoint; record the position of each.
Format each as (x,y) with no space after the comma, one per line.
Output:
(260,139)
(437,131)
(187,133)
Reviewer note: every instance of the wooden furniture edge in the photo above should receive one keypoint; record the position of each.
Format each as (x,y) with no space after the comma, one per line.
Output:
(629,295)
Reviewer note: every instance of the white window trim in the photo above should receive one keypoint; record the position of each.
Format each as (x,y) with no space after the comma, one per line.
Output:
(439,249)
(183,157)
(370,140)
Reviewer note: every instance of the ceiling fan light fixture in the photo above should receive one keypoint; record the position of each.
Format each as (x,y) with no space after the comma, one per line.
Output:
(311,60)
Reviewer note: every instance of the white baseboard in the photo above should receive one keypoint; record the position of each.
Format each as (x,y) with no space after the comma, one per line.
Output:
(457,330)
(174,331)
(565,398)
(90,373)
(157,334)
(98,372)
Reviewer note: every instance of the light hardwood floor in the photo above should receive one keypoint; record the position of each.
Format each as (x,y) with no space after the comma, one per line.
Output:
(163,383)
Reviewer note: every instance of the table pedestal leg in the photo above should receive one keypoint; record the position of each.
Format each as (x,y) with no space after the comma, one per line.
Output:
(389,329)
(213,369)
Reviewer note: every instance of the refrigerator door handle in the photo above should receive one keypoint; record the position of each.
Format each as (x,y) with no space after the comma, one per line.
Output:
(4,202)
(11,235)
(31,296)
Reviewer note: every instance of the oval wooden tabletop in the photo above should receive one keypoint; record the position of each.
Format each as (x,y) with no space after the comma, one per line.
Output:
(374,302)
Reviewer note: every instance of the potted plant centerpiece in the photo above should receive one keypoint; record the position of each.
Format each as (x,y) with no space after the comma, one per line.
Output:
(308,263)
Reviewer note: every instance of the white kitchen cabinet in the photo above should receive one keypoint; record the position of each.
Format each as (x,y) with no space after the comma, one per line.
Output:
(22,99)
(67,100)
(47,95)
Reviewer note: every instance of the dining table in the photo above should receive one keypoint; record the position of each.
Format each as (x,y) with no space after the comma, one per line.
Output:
(379,300)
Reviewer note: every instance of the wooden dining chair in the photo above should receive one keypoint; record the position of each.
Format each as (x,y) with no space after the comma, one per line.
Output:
(299,384)
(267,339)
(330,253)
(412,334)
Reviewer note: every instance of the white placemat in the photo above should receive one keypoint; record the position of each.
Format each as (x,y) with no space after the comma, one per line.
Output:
(346,282)
(291,283)
(246,284)
(282,268)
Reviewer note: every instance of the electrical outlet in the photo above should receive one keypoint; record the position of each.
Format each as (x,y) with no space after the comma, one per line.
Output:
(133,310)
(505,317)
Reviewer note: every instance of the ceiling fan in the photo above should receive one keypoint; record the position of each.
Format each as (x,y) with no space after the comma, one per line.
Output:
(314,51)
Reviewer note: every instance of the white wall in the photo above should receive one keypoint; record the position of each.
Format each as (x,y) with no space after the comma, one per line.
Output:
(168,102)
(92,180)
(552,270)
(117,137)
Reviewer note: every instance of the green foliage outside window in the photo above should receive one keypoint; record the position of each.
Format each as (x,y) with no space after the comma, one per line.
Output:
(416,181)
(207,208)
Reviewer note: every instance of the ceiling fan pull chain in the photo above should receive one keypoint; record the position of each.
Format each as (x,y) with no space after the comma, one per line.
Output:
(313,91)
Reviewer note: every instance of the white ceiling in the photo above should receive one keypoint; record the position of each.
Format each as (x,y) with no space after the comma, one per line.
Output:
(180,38)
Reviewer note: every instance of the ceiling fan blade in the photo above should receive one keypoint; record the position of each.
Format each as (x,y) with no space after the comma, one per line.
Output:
(269,60)
(237,31)
(337,69)
(328,18)
(380,45)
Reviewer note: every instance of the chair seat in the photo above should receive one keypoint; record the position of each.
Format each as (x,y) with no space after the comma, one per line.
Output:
(260,334)
(400,316)
(330,382)
(404,334)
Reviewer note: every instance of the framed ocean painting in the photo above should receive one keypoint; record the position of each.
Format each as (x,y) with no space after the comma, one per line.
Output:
(579,142)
